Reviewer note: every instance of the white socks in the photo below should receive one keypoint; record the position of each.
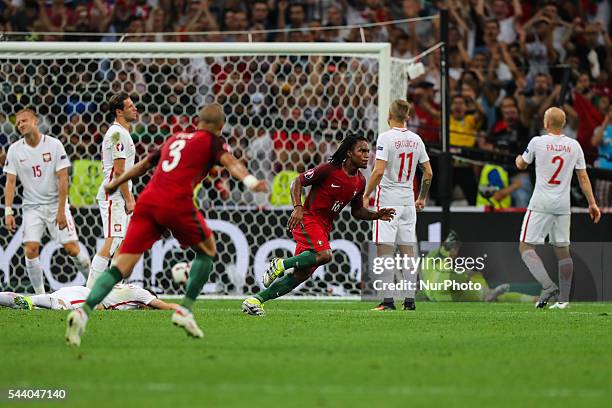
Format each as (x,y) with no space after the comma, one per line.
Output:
(536,267)
(98,265)
(566,270)
(82,263)
(35,274)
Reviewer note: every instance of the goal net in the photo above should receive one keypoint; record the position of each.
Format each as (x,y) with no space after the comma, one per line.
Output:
(287,106)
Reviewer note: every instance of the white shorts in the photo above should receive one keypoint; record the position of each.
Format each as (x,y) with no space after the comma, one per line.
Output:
(537,226)
(401,230)
(36,219)
(114,218)
(70,297)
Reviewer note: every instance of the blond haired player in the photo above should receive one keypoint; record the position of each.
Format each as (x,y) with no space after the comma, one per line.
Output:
(556,156)
(118,155)
(41,164)
(122,297)
(398,152)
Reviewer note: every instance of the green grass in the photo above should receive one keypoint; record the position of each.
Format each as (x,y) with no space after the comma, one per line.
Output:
(328,354)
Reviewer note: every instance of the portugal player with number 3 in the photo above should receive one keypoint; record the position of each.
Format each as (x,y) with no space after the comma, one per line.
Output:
(556,156)
(334,185)
(167,203)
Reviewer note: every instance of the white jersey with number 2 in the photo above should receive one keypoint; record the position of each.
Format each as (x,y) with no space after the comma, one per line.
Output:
(556,157)
(402,150)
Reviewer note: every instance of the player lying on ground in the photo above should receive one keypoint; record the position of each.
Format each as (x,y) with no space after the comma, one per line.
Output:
(41,165)
(440,272)
(167,204)
(334,185)
(556,156)
(122,297)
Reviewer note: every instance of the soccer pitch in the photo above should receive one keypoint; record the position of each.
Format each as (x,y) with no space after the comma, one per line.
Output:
(318,353)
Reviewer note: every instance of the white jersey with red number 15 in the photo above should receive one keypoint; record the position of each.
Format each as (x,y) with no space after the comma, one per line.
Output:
(402,150)
(556,159)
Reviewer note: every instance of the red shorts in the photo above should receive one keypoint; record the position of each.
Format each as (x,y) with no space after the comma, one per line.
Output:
(149,222)
(311,235)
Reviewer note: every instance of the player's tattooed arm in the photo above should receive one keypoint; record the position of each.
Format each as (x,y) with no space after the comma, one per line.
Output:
(425,185)
(296,198)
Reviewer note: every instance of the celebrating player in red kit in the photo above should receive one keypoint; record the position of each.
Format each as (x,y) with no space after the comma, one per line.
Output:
(166,203)
(334,185)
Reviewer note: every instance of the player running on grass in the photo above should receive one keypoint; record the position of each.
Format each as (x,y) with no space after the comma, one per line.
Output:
(334,185)
(122,297)
(556,156)
(167,203)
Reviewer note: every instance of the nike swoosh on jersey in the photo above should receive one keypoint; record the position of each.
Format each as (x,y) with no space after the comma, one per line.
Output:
(333,185)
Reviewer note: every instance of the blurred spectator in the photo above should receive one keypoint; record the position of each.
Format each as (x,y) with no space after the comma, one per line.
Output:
(463,133)
(426,118)
(602,140)
(508,135)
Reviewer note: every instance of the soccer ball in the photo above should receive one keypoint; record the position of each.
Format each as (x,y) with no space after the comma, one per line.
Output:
(180,272)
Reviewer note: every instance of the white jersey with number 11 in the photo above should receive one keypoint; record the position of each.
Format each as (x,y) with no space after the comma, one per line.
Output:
(402,150)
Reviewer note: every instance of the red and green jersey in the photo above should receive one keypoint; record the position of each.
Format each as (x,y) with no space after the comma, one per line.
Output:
(332,189)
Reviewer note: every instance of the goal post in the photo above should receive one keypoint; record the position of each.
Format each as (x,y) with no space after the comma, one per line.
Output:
(287,105)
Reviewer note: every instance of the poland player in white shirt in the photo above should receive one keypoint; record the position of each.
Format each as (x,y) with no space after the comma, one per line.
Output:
(118,155)
(398,152)
(41,164)
(122,297)
(556,157)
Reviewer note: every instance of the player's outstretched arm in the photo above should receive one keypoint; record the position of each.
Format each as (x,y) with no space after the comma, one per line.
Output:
(9,196)
(385,214)
(161,305)
(237,170)
(377,174)
(587,190)
(425,185)
(138,170)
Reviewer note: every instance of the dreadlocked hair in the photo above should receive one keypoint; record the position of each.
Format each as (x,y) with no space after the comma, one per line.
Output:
(346,145)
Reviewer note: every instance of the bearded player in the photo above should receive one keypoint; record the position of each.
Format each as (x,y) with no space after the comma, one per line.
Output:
(334,185)
(166,204)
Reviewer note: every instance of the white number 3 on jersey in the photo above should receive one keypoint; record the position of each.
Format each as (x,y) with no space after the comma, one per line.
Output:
(175,154)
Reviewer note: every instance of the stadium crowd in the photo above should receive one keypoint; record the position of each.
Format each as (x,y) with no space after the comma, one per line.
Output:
(509,60)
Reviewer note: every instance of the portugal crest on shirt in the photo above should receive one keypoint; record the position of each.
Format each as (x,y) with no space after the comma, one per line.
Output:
(46,157)
(308,175)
